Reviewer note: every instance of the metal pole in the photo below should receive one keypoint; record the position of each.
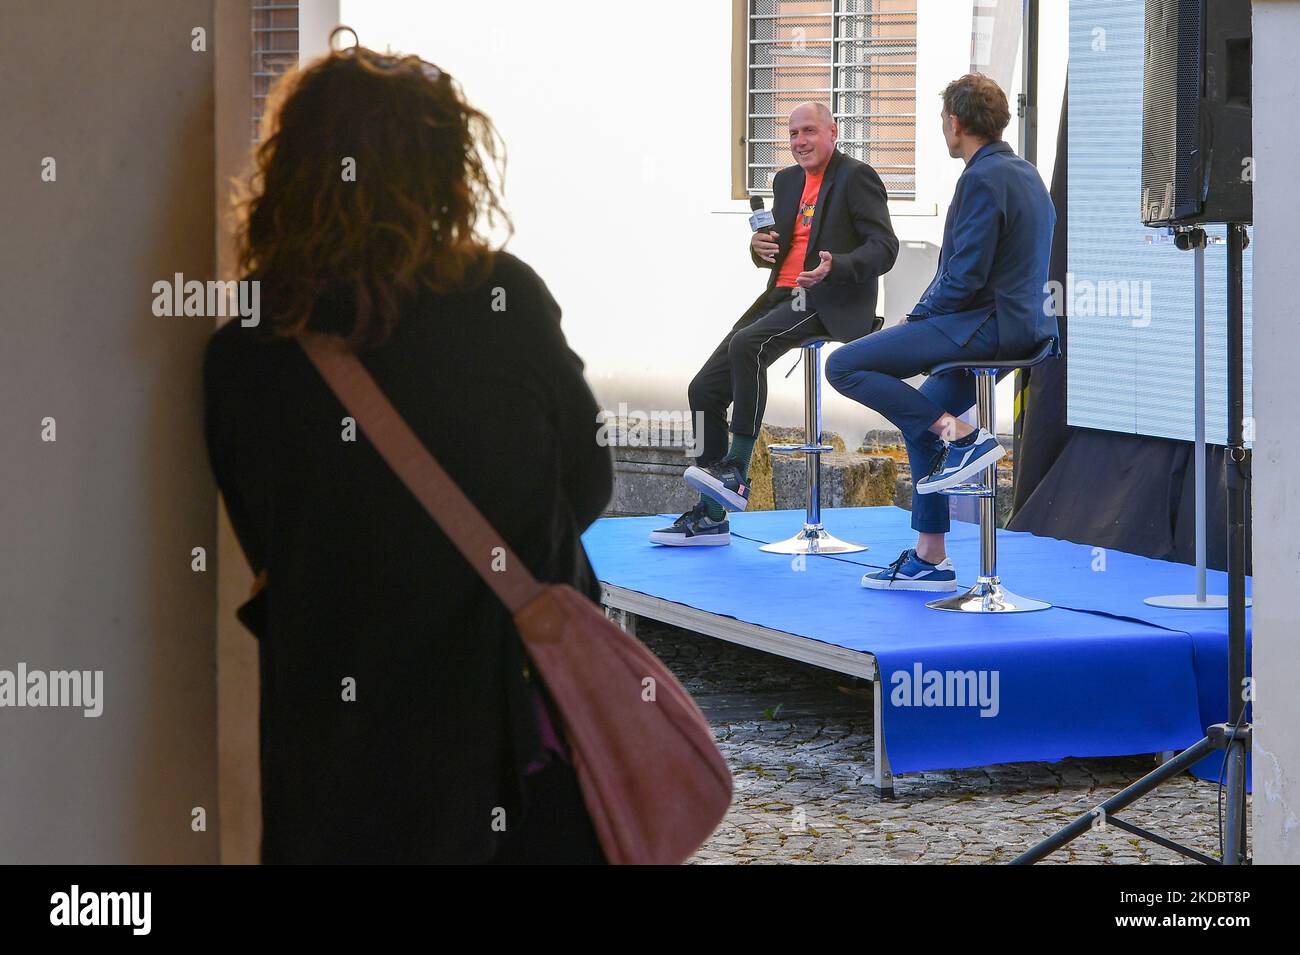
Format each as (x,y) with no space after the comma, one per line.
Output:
(1198,239)
(1199,392)
(812,537)
(1029,92)
(988,595)
(986,385)
(1237,464)
(812,416)
(1233,850)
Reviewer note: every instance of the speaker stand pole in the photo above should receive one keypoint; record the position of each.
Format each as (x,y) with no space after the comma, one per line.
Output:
(1198,240)
(1237,464)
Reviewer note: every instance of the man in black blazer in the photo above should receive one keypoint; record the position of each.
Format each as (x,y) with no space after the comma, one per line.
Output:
(832,239)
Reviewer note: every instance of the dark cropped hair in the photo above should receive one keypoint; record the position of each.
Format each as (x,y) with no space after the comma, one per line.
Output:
(421,163)
(979,104)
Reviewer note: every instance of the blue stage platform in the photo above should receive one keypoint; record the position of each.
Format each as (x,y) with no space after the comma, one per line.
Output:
(1098,674)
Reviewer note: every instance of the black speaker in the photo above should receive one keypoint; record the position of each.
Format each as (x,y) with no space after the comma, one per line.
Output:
(1196,141)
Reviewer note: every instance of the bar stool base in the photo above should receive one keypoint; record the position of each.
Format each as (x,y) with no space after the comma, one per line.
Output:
(1190,602)
(988,596)
(813,539)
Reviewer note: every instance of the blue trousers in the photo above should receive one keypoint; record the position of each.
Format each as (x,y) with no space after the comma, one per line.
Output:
(871,371)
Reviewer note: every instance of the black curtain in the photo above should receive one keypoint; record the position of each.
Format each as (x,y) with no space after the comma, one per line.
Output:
(1040,430)
(1118,491)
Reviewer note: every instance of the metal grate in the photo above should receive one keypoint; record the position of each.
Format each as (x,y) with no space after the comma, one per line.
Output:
(858,57)
(275,50)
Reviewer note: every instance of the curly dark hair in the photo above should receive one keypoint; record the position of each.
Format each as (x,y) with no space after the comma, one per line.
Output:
(979,104)
(423,163)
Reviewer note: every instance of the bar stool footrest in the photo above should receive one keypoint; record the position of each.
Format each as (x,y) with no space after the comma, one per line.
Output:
(800,448)
(967,490)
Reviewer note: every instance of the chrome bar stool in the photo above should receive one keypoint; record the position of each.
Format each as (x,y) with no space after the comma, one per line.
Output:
(814,538)
(988,595)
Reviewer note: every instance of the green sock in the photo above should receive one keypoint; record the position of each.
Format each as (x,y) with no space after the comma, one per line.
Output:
(716,511)
(742,450)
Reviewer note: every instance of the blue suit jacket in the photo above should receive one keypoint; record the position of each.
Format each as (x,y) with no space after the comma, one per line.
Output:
(996,244)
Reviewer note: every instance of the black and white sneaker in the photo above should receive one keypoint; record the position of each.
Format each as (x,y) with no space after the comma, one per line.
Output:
(694,529)
(723,482)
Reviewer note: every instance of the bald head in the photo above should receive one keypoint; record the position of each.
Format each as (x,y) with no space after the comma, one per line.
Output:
(815,111)
(812,136)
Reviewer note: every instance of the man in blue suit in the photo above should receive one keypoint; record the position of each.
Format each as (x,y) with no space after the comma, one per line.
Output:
(985,301)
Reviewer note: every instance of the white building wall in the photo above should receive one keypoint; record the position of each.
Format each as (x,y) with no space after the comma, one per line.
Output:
(1276,514)
(617,122)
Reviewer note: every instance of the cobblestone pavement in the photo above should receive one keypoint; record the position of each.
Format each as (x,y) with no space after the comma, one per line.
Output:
(798,739)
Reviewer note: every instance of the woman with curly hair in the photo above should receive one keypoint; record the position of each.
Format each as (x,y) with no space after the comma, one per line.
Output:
(399,720)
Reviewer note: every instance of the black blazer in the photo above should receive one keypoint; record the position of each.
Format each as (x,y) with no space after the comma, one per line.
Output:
(361,584)
(851,222)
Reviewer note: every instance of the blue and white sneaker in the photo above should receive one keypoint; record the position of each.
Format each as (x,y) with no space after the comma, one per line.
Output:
(910,572)
(960,462)
(723,482)
(694,529)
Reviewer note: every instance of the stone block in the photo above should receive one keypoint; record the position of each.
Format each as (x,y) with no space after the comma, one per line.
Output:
(848,479)
(649,462)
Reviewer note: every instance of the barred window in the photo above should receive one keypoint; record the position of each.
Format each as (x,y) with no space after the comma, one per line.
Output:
(275,50)
(856,56)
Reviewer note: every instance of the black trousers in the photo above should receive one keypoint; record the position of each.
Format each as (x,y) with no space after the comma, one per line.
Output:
(736,372)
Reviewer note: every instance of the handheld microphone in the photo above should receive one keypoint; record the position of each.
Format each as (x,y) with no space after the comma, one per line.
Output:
(761,220)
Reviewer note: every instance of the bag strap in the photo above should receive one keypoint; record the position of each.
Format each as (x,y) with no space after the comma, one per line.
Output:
(415,467)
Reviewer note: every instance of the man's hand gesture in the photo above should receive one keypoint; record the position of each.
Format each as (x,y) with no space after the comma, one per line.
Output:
(809,279)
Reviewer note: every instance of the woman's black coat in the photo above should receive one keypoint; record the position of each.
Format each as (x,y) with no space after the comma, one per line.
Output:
(363,589)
